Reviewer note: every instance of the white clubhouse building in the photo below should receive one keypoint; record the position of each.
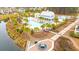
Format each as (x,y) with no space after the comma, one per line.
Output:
(45,14)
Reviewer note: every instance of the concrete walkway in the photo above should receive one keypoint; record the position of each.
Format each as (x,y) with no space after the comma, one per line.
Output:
(74,44)
(55,37)
(64,30)
(36,46)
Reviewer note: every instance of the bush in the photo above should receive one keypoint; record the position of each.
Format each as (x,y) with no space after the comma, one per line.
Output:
(36,29)
(77,34)
(19,30)
(42,18)
(32,32)
(73,34)
(26,20)
(53,26)
(5,20)
(56,19)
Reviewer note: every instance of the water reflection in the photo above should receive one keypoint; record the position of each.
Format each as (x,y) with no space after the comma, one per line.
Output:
(6,43)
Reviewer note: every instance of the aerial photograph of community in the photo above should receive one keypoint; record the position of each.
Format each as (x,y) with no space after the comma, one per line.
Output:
(39,29)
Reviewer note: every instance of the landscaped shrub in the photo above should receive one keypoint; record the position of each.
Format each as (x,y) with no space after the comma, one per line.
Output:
(5,20)
(32,31)
(65,21)
(53,26)
(77,34)
(26,20)
(43,26)
(14,21)
(42,18)
(19,30)
(61,24)
(56,19)
(73,34)
(36,29)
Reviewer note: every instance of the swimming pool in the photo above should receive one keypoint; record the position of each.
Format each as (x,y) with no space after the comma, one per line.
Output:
(37,24)
(33,23)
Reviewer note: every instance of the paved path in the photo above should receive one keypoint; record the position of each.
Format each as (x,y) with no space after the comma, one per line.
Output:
(64,31)
(36,46)
(59,34)
(74,44)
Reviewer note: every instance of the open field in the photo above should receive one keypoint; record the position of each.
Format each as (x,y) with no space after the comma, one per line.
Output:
(64,44)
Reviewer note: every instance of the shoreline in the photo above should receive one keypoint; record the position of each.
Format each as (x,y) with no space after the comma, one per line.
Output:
(15,39)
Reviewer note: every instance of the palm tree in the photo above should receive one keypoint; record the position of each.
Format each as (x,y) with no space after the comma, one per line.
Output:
(56,19)
(25,29)
(36,29)
(26,20)
(19,30)
(53,26)
(43,25)
(49,25)
(32,31)
(14,21)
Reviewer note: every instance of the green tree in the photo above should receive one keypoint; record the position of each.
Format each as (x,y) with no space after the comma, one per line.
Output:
(49,25)
(36,29)
(19,30)
(26,20)
(42,18)
(15,21)
(32,31)
(43,25)
(28,30)
(56,19)
(53,26)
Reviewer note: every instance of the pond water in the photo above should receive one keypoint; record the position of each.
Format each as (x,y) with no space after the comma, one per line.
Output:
(6,43)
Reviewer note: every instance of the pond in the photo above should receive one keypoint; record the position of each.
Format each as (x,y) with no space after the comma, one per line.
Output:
(6,43)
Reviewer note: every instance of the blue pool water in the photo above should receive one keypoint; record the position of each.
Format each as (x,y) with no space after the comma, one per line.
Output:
(33,23)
